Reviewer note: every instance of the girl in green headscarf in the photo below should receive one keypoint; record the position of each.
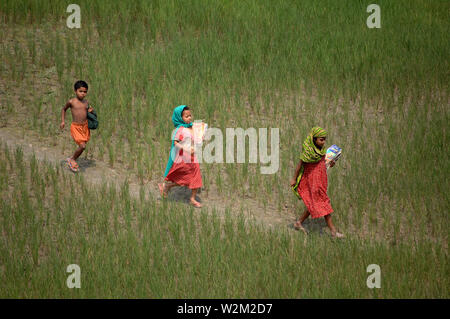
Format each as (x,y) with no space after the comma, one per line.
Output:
(182,167)
(310,180)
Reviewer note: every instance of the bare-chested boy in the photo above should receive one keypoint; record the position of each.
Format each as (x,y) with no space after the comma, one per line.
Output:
(79,128)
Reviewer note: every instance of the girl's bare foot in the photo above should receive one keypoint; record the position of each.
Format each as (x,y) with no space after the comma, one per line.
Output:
(299,226)
(336,234)
(195,203)
(162,189)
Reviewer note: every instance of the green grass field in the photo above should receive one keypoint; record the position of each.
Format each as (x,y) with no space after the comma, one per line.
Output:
(143,249)
(382,94)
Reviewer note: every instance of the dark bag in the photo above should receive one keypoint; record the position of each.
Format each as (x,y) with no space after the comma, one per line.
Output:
(92,119)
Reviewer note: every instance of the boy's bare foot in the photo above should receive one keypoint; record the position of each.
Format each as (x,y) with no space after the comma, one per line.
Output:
(162,190)
(195,203)
(337,235)
(72,164)
(299,226)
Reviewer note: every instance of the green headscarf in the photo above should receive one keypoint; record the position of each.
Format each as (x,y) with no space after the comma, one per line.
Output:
(310,152)
(176,117)
(177,121)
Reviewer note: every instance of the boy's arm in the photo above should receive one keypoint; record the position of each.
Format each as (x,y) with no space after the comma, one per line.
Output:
(297,171)
(63,114)
(90,108)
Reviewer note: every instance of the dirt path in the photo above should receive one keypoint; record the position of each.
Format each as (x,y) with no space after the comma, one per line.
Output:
(97,172)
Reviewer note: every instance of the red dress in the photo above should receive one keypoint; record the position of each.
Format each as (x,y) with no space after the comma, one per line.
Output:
(185,169)
(313,189)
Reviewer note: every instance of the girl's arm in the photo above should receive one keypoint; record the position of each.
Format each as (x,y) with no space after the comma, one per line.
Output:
(297,171)
(182,143)
(184,147)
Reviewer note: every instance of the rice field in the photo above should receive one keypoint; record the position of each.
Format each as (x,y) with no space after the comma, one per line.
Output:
(382,94)
(133,248)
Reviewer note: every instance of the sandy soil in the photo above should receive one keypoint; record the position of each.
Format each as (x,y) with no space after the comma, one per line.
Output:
(98,172)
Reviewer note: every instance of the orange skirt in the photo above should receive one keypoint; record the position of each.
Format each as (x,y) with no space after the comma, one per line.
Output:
(80,132)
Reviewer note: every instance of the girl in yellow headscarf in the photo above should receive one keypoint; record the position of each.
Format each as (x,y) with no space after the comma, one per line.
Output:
(310,181)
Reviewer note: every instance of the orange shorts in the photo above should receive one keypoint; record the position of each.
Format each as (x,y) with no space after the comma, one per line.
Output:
(80,132)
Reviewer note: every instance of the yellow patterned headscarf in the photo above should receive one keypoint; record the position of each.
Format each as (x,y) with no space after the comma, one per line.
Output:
(310,152)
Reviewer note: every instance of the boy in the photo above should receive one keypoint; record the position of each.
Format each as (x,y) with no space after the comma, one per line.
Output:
(79,128)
